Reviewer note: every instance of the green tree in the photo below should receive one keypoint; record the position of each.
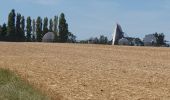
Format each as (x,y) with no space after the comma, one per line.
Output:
(63,29)
(4,32)
(93,40)
(103,40)
(18,28)
(11,26)
(71,38)
(51,25)
(160,39)
(0,33)
(56,28)
(45,26)
(29,29)
(39,29)
(22,35)
(33,31)
(56,24)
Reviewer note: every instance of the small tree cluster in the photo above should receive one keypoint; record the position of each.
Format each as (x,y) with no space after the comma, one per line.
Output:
(101,40)
(160,39)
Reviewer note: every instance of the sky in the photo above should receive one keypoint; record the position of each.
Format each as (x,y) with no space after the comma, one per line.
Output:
(91,18)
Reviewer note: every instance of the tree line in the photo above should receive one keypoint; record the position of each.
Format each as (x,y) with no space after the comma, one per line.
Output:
(21,29)
(97,40)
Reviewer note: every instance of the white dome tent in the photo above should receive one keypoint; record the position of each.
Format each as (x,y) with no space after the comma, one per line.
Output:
(123,41)
(48,37)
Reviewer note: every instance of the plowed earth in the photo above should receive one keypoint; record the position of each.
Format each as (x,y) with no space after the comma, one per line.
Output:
(91,72)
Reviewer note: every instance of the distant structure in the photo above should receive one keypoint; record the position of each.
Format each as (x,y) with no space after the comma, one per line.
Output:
(149,40)
(48,37)
(117,35)
(119,38)
(123,41)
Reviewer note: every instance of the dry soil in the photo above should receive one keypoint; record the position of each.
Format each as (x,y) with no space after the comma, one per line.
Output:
(91,72)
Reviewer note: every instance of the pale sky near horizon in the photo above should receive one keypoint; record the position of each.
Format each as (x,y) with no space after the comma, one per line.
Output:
(90,18)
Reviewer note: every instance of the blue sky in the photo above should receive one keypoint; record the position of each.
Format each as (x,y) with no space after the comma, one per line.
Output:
(90,18)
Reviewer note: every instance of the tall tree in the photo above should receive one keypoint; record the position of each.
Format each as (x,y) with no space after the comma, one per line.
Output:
(29,29)
(0,28)
(3,32)
(56,28)
(11,26)
(0,33)
(56,24)
(22,35)
(39,29)
(51,25)
(45,26)
(63,29)
(33,30)
(18,27)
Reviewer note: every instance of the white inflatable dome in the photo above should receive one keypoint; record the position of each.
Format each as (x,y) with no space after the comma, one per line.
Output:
(48,37)
(123,41)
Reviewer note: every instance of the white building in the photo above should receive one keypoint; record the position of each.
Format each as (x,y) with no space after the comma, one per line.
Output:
(149,40)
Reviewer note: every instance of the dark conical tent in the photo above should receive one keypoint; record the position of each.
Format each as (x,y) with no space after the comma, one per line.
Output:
(118,34)
(48,37)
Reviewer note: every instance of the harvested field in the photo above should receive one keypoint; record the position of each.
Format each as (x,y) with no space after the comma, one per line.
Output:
(91,72)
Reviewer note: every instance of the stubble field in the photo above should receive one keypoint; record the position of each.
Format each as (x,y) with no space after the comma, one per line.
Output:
(91,72)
